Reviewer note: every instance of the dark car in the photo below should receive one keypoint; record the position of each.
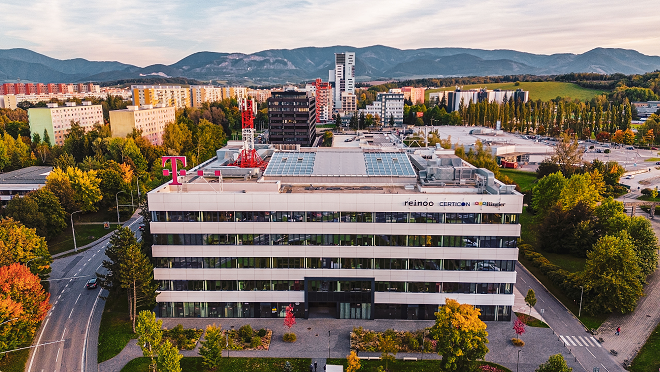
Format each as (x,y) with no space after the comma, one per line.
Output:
(92,283)
(657,163)
(141,227)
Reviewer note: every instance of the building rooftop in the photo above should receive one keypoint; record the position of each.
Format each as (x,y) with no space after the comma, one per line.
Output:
(29,175)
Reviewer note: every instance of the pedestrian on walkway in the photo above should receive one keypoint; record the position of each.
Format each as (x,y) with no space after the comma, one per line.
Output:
(315,365)
(618,330)
(311,368)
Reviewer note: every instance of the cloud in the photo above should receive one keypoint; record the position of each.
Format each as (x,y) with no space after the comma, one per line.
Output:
(148,32)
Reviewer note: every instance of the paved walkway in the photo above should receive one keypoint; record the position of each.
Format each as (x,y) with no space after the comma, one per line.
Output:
(637,326)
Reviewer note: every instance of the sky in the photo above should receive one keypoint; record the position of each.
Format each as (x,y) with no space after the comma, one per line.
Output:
(142,32)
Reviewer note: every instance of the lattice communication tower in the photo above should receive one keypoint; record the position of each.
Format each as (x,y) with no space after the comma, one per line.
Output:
(248,157)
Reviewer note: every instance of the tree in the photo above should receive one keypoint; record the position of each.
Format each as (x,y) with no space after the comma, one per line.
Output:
(289,318)
(555,363)
(210,137)
(579,188)
(136,277)
(461,336)
(119,241)
(169,358)
(611,276)
(568,154)
(211,347)
(177,138)
(530,300)
(353,362)
(150,335)
(338,121)
(58,183)
(547,193)
(86,187)
(288,367)
(19,244)
(645,244)
(54,215)
(26,211)
(519,327)
(392,122)
(22,297)
(388,348)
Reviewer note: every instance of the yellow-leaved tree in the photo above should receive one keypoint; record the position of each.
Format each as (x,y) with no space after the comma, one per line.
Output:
(461,336)
(85,187)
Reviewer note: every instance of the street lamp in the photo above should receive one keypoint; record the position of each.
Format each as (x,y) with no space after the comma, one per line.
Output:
(517,363)
(73,231)
(328,344)
(117,201)
(581,293)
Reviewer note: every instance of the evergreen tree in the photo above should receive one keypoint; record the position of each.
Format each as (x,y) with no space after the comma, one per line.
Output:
(150,335)
(338,121)
(169,358)
(136,277)
(211,347)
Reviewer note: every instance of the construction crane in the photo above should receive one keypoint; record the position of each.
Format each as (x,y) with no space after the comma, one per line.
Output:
(248,157)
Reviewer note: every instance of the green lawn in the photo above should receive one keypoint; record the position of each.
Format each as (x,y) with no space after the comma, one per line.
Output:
(648,358)
(566,261)
(531,321)
(524,179)
(115,331)
(526,232)
(545,90)
(85,234)
(189,364)
(652,159)
(14,361)
(402,366)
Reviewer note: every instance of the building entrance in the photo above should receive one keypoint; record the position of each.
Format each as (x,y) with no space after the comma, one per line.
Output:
(340,298)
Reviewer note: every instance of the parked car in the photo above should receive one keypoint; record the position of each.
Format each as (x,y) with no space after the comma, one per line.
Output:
(92,283)
(657,163)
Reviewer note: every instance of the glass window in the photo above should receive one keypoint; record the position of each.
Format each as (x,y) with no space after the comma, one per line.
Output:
(492,218)
(511,218)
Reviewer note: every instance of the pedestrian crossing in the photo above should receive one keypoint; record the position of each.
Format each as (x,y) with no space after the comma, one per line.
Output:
(587,341)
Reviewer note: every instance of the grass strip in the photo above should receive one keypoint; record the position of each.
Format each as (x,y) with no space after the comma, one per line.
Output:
(194,364)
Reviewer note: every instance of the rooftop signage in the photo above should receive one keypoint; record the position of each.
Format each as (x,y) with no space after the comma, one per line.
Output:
(445,203)
(174,168)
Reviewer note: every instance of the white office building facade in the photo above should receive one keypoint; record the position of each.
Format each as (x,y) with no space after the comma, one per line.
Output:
(352,231)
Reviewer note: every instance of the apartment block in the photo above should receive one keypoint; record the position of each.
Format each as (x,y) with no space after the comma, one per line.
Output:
(415,95)
(149,119)
(342,78)
(57,120)
(387,106)
(169,95)
(323,94)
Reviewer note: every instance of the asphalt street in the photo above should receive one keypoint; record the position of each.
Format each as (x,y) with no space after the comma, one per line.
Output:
(71,326)
(588,352)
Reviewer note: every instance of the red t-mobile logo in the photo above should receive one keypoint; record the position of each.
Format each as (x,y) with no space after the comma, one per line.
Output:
(175,173)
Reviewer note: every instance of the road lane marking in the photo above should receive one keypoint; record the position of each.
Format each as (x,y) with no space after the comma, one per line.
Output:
(605,367)
(563,339)
(577,340)
(58,356)
(595,341)
(70,313)
(64,331)
(77,299)
(592,354)
(97,269)
(89,320)
(38,343)
(90,258)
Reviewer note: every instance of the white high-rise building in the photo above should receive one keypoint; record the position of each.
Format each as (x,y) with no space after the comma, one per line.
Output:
(342,77)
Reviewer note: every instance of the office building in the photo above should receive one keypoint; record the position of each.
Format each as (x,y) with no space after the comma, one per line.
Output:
(323,94)
(292,118)
(57,120)
(149,119)
(387,106)
(342,78)
(455,98)
(173,95)
(348,233)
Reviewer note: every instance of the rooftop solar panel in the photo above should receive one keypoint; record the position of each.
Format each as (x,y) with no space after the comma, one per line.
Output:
(291,164)
(388,164)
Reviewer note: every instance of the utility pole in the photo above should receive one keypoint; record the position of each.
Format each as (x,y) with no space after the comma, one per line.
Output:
(581,293)
(73,231)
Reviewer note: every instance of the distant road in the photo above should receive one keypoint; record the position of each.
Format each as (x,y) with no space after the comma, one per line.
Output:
(75,315)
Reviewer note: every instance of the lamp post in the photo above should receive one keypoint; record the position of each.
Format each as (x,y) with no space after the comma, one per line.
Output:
(328,344)
(73,231)
(517,363)
(117,201)
(580,309)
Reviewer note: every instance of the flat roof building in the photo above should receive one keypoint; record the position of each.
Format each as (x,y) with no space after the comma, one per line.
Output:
(150,120)
(21,181)
(354,233)
(57,120)
(173,95)
(292,118)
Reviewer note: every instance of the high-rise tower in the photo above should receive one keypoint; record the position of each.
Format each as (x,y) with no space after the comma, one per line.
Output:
(342,77)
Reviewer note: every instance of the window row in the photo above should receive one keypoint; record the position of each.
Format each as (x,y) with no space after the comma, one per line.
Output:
(334,286)
(338,239)
(378,217)
(333,263)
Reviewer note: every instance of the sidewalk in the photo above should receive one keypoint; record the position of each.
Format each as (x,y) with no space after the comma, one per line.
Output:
(637,326)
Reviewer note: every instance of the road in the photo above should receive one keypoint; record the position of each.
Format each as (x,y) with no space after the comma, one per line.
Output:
(75,315)
(588,352)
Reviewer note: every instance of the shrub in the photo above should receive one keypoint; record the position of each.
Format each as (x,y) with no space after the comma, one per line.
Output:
(262,333)
(359,331)
(413,344)
(245,332)
(428,346)
(289,337)
(646,191)
(407,337)
(369,336)
(389,333)
(255,342)
(248,340)
(517,342)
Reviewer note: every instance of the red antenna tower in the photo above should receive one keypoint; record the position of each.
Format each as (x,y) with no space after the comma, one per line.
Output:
(248,157)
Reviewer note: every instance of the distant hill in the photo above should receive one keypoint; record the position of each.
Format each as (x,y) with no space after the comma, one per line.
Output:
(277,66)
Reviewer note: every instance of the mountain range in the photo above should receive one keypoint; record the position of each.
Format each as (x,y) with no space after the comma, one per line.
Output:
(278,66)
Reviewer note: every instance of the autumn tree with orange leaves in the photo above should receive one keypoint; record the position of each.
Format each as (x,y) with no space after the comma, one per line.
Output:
(23,304)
